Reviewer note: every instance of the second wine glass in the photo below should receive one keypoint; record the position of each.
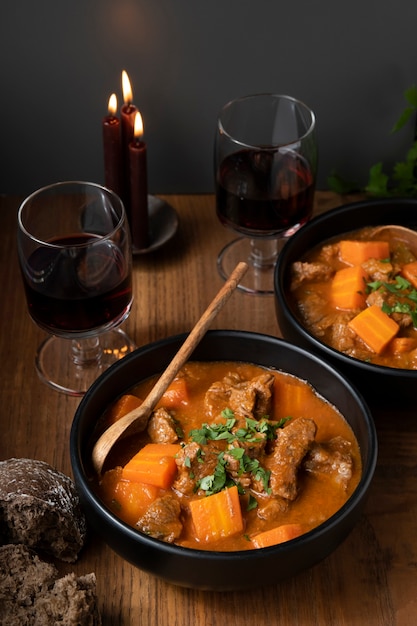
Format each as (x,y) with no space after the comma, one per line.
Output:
(75,258)
(265,161)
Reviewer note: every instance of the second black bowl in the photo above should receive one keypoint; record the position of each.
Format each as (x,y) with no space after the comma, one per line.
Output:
(379,384)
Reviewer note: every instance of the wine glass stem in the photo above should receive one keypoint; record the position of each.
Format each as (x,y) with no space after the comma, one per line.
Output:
(86,351)
(264,252)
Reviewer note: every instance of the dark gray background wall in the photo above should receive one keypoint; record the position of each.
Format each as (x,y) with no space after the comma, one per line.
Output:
(60,61)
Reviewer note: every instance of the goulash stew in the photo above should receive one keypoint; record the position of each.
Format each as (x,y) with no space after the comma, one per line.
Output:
(358,295)
(235,457)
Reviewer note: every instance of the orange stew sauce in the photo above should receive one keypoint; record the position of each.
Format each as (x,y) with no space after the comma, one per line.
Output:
(358,294)
(256,507)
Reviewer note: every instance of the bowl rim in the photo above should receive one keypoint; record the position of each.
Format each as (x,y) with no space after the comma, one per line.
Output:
(368,469)
(281,271)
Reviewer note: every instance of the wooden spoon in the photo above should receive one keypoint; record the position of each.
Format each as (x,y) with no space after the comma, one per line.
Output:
(401,233)
(140,416)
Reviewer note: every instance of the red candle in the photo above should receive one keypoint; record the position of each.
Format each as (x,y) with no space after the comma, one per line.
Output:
(112,148)
(127,116)
(138,187)
(128,112)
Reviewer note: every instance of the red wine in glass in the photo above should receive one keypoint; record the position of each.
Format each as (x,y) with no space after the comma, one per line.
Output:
(264,193)
(77,288)
(265,165)
(75,258)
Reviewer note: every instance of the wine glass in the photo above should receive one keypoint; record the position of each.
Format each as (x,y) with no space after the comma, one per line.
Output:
(75,258)
(265,161)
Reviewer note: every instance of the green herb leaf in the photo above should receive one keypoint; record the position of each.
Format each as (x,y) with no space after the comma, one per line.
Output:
(337,184)
(228,414)
(206,482)
(403,119)
(281,423)
(252,504)
(385,308)
(402,283)
(373,286)
(378,181)
(410,95)
(217,481)
(263,475)
(403,179)
(237,453)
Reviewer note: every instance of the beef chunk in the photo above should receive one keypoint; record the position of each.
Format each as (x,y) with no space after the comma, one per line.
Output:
(343,338)
(162,427)
(334,326)
(333,457)
(193,465)
(251,398)
(291,446)
(263,386)
(162,519)
(376,297)
(403,319)
(272,508)
(301,272)
(311,309)
(329,252)
(377,270)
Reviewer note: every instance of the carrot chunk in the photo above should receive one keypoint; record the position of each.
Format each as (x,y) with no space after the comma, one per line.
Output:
(217,516)
(176,394)
(409,271)
(347,290)
(282,533)
(290,399)
(401,345)
(122,406)
(356,252)
(154,465)
(374,327)
(129,500)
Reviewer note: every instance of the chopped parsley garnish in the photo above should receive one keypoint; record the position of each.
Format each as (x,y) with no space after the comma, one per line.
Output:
(224,431)
(403,289)
(253,432)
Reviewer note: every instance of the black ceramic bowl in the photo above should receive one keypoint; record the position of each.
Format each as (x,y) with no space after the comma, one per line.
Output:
(221,570)
(379,384)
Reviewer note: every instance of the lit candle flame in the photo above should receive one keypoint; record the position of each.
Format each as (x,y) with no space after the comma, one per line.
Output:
(126,88)
(138,126)
(112,104)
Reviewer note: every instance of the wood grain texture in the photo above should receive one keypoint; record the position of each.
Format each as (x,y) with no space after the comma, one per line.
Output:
(371,579)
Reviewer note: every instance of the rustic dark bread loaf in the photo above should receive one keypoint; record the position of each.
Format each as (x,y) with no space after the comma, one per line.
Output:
(31,593)
(40,508)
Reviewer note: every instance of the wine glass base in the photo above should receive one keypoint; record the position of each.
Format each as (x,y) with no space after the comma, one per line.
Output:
(260,255)
(56,366)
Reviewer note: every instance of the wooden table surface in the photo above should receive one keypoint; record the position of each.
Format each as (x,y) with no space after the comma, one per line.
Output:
(371,579)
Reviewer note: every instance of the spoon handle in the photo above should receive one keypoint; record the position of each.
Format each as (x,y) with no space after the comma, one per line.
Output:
(194,337)
(140,415)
